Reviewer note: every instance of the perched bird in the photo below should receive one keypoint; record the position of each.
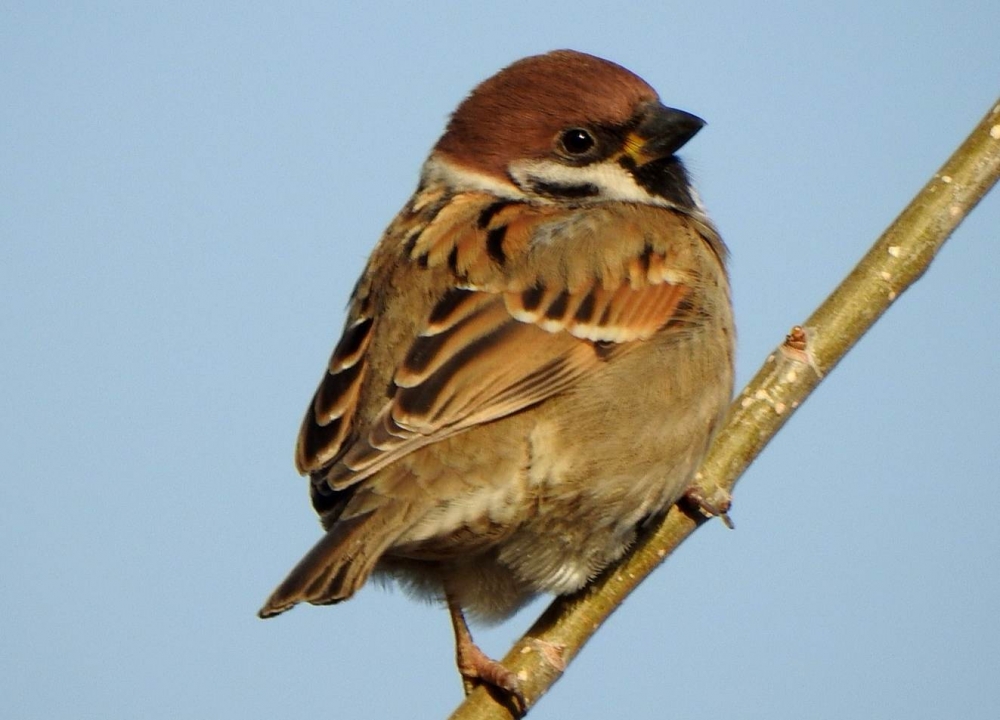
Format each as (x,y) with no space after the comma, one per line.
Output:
(535,358)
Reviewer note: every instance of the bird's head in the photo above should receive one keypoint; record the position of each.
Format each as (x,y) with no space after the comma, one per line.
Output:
(567,127)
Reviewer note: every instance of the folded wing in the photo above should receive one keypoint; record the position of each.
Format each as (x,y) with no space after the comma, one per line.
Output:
(531,300)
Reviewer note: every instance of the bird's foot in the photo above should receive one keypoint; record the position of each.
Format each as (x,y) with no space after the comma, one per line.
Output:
(714,504)
(478,668)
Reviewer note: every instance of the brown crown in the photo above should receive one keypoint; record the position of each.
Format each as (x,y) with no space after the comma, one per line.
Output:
(517,113)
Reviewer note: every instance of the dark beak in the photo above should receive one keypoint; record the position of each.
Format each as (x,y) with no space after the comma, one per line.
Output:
(661,133)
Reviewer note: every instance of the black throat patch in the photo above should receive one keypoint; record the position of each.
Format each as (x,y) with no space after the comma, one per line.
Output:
(666,178)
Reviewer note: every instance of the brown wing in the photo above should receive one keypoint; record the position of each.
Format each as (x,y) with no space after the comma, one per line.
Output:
(330,415)
(530,299)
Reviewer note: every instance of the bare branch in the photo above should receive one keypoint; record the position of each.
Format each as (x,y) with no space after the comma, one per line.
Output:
(900,256)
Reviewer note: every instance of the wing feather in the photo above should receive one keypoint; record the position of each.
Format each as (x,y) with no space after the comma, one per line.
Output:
(522,301)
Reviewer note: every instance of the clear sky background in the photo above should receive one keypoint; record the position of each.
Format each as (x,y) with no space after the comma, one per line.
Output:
(187,193)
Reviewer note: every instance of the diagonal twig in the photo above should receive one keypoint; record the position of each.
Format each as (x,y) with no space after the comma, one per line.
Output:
(897,259)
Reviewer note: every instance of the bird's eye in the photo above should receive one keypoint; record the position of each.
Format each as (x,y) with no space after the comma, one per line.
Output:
(577,141)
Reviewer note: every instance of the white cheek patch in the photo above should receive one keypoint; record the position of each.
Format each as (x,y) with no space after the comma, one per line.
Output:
(602,181)
(609,180)
(460,179)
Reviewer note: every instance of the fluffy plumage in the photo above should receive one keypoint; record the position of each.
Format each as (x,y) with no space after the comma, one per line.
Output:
(535,358)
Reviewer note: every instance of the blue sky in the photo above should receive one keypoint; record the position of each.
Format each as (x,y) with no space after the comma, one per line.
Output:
(189,191)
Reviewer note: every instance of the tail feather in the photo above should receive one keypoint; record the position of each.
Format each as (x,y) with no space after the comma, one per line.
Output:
(339,564)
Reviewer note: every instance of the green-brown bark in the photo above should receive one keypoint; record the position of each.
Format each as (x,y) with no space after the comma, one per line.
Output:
(897,259)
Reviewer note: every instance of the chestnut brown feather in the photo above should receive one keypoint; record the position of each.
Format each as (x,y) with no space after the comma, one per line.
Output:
(536,98)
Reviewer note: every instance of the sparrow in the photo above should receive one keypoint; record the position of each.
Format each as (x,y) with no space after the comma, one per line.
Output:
(534,361)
